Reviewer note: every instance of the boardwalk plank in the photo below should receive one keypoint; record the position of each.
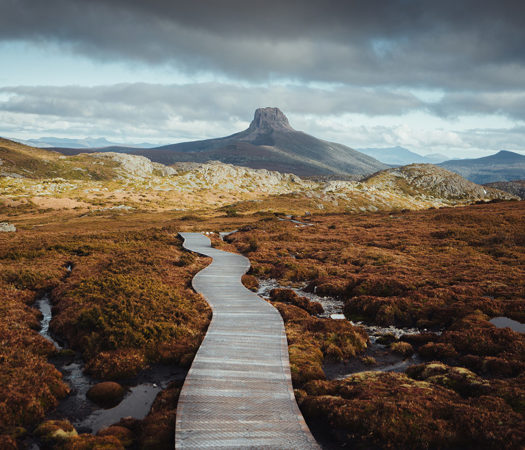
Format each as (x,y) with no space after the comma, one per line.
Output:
(238,392)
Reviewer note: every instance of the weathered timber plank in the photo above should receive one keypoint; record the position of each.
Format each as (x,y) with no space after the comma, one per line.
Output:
(238,392)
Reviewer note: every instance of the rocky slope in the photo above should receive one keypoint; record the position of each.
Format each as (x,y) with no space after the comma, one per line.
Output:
(429,181)
(269,143)
(121,182)
(516,187)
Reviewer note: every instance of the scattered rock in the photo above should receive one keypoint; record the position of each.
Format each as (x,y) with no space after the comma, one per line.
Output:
(107,394)
(433,182)
(7,227)
(516,188)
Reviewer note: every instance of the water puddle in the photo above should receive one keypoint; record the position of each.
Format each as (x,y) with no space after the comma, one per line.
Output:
(385,360)
(331,305)
(141,391)
(86,416)
(297,222)
(44,306)
(505,322)
(224,234)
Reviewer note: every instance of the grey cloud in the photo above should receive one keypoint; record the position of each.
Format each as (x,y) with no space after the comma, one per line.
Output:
(510,104)
(497,139)
(170,113)
(451,44)
(155,103)
(152,103)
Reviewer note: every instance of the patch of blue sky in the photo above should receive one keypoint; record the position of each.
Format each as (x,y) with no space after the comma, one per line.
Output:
(48,64)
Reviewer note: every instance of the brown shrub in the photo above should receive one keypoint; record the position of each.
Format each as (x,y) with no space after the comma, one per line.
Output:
(126,437)
(389,410)
(438,350)
(250,282)
(402,348)
(312,340)
(128,302)
(107,394)
(425,268)
(291,297)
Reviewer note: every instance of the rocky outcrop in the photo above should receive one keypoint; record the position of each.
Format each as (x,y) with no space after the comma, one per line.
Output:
(135,165)
(516,188)
(430,181)
(268,119)
(7,227)
(119,182)
(221,176)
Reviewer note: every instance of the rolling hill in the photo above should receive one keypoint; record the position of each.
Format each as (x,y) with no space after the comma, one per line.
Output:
(118,182)
(502,166)
(400,156)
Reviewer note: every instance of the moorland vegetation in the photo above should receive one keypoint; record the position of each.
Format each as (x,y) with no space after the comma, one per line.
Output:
(447,271)
(127,302)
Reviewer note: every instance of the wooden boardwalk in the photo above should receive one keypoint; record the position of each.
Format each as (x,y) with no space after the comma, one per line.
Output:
(238,392)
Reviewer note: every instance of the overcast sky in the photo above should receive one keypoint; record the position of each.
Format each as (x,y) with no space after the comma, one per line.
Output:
(443,76)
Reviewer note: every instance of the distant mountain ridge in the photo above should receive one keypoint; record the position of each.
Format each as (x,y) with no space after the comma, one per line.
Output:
(400,156)
(270,143)
(79,143)
(502,166)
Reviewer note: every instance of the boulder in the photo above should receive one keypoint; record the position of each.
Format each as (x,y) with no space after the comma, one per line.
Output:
(7,227)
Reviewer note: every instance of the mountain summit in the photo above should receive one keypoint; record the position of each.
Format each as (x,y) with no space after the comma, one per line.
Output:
(270,143)
(269,119)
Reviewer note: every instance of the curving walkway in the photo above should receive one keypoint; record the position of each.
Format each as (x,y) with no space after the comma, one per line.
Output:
(238,392)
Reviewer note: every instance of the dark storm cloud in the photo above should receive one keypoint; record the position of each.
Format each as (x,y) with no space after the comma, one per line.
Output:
(448,44)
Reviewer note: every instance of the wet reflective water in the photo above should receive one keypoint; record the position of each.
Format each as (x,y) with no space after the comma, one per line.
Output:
(86,416)
(297,222)
(505,322)
(224,234)
(333,308)
(44,306)
(385,360)
(330,305)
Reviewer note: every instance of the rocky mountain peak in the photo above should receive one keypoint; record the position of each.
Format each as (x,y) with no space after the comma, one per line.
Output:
(269,118)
